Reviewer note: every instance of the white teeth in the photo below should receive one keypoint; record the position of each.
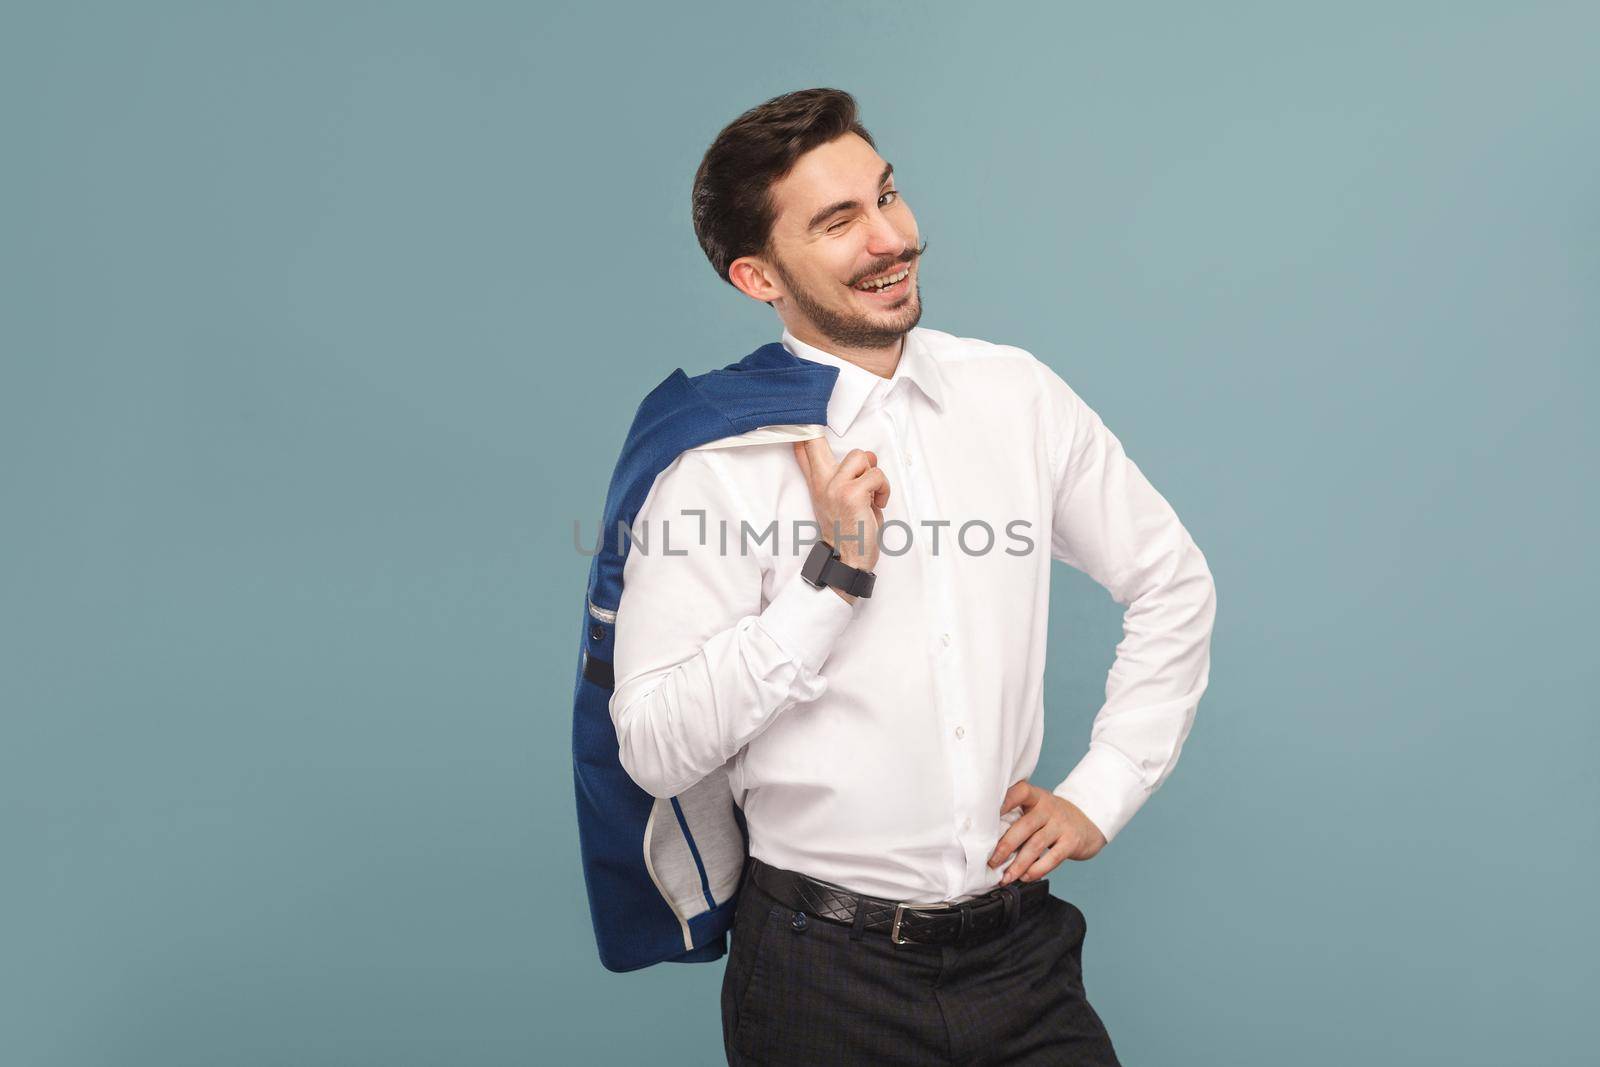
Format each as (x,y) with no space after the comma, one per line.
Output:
(884,282)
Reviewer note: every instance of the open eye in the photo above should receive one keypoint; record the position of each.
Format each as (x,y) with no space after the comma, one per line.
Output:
(890,192)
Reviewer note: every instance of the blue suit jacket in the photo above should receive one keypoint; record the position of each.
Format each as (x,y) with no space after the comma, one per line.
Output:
(663,874)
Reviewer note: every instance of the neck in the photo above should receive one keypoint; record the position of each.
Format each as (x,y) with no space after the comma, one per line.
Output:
(880,361)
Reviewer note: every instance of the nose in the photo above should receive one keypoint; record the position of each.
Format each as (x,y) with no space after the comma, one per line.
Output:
(884,239)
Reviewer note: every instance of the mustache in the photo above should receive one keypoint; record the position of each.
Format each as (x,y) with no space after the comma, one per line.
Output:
(891,264)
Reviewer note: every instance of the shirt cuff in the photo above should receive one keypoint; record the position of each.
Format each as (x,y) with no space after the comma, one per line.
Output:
(805,621)
(1106,788)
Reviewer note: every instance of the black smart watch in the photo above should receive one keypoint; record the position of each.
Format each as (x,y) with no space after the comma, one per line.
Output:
(823,568)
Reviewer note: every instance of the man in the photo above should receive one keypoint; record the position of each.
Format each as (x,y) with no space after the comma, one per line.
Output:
(880,746)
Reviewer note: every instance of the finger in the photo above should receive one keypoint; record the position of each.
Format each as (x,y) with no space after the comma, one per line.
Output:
(1015,837)
(822,464)
(802,457)
(877,482)
(1026,855)
(1014,796)
(1048,861)
(1024,859)
(1008,846)
(855,463)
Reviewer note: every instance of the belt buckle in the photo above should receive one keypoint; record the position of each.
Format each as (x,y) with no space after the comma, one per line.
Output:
(901,908)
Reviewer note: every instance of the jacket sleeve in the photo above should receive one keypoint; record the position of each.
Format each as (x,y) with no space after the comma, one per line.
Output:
(701,665)
(1111,524)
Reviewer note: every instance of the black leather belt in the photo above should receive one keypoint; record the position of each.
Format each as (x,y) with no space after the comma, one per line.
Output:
(966,922)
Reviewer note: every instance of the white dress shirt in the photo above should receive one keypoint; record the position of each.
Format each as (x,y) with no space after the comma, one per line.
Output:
(871,744)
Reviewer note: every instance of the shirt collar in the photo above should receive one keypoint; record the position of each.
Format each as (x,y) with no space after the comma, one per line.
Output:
(855,384)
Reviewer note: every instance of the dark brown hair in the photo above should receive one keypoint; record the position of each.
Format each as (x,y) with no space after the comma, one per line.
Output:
(732,202)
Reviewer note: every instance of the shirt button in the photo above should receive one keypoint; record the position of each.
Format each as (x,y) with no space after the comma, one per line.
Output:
(945,638)
(799,920)
(961,731)
(966,824)
(910,459)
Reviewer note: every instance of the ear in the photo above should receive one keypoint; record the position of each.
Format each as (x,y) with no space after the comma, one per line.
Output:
(752,278)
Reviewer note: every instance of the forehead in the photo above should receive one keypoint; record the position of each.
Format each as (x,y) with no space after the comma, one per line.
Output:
(844,168)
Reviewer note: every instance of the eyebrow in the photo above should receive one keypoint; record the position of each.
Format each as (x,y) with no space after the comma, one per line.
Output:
(846,205)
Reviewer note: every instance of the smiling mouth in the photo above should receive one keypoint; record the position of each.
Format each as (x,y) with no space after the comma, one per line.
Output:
(897,287)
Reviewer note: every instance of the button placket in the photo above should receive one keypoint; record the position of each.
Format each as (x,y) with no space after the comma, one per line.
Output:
(931,596)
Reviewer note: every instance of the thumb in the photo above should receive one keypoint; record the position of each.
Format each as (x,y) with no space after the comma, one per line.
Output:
(1014,796)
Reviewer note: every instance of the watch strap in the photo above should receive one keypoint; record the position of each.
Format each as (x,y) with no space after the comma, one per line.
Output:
(824,568)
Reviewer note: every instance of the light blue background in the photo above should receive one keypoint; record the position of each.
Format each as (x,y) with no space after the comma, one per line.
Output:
(322,324)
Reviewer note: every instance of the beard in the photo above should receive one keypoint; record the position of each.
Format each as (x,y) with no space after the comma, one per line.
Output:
(851,328)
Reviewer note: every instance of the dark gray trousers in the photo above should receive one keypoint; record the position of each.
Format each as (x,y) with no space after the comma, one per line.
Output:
(802,991)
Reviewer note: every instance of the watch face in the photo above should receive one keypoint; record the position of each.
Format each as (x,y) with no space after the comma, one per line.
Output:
(811,570)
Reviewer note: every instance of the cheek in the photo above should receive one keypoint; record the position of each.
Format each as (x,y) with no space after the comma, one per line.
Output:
(846,259)
(845,269)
